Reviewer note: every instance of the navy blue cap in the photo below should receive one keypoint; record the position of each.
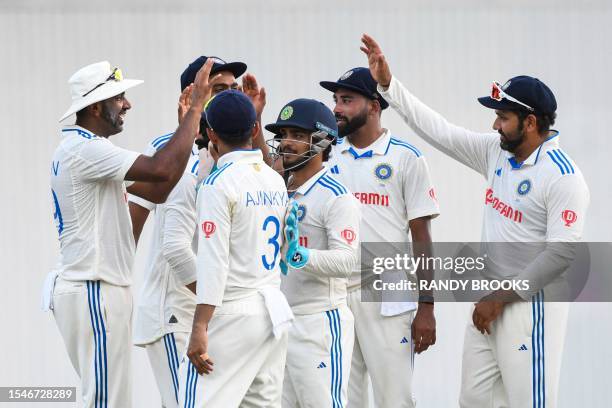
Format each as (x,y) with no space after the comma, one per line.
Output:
(307,114)
(189,74)
(359,80)
(528,90)
(230,113)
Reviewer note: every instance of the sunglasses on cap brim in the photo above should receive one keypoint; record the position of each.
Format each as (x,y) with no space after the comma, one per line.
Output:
(497,93)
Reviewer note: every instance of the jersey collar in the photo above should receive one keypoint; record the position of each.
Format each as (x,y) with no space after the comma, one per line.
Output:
(78,130)
(550,143)
(309,184)
(241,155)
(378,147)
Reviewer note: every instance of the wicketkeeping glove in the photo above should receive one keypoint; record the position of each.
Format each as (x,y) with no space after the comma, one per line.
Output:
(296,255)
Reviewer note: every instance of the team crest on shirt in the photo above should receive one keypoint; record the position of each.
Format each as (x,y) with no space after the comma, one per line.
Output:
(524,187)
(208,228)
(383,171)
(301,212)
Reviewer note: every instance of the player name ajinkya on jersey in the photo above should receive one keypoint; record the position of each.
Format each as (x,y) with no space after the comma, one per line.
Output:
(267,198)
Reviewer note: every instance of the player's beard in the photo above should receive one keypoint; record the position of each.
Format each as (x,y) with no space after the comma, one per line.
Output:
(349,126)
(112,119)
(292,162)
(512,143)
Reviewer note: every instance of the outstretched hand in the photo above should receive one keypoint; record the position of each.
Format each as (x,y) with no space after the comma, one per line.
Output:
(202,89)
(257,95)
(376,60)
(184,103)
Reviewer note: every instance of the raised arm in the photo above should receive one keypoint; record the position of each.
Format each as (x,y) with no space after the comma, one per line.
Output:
(157,175)
(468,147)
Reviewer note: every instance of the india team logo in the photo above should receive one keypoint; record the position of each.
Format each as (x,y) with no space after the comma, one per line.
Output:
(569,217)
(524,187)
(383,171)
(346,75)
(348,235)
(208,228)
(286,113)
(301,212)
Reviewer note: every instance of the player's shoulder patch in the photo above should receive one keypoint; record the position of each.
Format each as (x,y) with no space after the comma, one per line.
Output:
(212,177)
(561,162)
(161,141)
(395,143)
(331,184)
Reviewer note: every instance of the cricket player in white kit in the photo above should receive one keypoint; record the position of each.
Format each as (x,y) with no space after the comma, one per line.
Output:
(91,296)
(321,338)
(391,179)
(241,210)
(535,194)
(166,306)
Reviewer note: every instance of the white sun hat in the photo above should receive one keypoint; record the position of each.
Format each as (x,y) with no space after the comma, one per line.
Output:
(95,83)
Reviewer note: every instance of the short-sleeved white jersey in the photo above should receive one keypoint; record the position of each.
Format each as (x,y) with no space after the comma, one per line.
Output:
(328,217)
(165,305)
(241,208)
(543,199)
(90,207)
(390,179)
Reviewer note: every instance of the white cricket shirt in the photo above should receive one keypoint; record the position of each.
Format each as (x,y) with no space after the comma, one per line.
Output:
(542,200)
(90,207)
(165,305)
(241,208)
(390,179)
(328,217)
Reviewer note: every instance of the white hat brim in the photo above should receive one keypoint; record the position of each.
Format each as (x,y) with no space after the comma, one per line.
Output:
(108,90)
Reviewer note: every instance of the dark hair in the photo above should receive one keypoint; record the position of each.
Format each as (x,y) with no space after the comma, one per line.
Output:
(326,153)
(543,120)
(237,139)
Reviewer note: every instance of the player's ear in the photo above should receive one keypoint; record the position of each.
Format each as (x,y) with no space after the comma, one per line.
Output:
(212,136)
(256,129)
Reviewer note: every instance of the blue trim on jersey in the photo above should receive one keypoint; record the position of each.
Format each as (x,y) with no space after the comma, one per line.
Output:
(556,162)
(194,168)
(172,361)
(58,214)
(213,176)
(99,332)
(538,372)
(315,183)
(564,160)
(515,165)
(161,138)
(335,183)
(356,155)
(162,142)
(560,160)
(397,142)
(81,133)
(329,186)
(335,357)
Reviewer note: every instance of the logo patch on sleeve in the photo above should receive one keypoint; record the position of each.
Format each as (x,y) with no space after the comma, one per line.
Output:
(349,235)
(208,228)
(569,217)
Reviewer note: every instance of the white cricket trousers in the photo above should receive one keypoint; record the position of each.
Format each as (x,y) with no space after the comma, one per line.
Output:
(164,355)
(249,361)
(519,363)
(95,321)
(384,350)
(319,359)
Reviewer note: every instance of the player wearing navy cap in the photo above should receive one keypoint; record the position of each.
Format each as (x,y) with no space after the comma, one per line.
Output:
(391,180)
(236,353)
(536,194)
(321,339)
